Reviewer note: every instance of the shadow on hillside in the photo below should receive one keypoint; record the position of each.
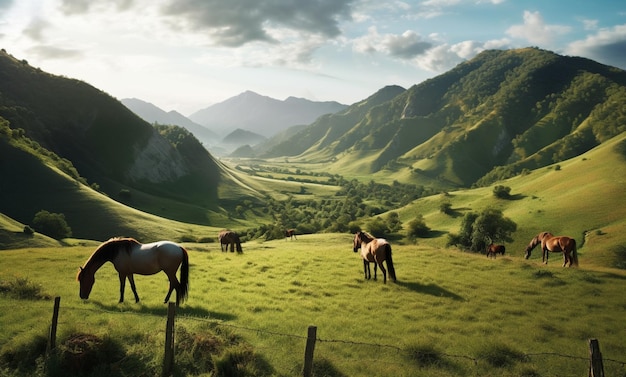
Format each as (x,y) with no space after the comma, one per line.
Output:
(430,289)
(516,197)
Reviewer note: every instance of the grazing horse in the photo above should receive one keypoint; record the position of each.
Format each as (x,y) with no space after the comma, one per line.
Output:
(376,250)
(291,234)
(228,237)
(550,243)
(494,249)
(131,257)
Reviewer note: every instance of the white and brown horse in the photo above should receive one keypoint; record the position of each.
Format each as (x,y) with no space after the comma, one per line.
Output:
(374,250)
(550,243)
(130,257)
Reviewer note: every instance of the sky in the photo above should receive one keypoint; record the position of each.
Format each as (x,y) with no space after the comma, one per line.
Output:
(186,55)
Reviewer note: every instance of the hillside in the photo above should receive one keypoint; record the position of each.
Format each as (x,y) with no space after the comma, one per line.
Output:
(261,114)
(489,118)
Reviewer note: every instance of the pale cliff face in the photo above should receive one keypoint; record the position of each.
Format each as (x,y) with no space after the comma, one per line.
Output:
(158,161)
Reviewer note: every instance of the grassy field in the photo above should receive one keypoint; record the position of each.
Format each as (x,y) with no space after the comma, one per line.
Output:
(449,314)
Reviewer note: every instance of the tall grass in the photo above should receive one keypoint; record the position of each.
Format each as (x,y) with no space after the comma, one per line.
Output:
(449,314)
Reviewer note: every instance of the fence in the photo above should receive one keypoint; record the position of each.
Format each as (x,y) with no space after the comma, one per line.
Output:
(596,363)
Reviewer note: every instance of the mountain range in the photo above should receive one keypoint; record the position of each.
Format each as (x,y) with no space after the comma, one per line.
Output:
(501,114)
(246,119)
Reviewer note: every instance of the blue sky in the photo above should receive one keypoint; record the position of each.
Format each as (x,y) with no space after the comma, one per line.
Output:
(185,55)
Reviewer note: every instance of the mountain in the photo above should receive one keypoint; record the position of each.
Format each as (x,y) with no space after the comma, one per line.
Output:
(498,115)
(153,114)
(261,114)
(64,143)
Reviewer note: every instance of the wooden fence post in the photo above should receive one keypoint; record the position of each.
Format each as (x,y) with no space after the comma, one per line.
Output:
(168,360)
(308,352)
(52,337)
(596,367)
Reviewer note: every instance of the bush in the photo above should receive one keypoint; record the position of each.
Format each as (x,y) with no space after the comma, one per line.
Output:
(417,228)
(52,224)
(502,192)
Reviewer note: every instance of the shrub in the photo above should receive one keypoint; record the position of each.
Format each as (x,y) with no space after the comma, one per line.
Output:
(52,224)
(417,228)
(502,192)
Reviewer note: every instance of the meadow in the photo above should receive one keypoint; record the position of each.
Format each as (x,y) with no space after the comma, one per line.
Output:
(449,314)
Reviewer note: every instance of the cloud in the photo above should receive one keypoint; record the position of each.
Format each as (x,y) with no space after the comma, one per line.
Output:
(237,22)
(35,30)
(535,30)
(49,52)
(607,46)
(5,4)
(403,46)
(85,6)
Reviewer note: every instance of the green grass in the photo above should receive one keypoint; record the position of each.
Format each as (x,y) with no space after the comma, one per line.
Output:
(449,314)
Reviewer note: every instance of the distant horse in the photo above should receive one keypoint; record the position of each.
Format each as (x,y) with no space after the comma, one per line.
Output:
(550,243)
(494,249)
(376,250)
(291,233)
(228,237)
(131,257)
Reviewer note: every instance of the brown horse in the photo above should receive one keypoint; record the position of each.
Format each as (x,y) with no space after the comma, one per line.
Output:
(291,233)
(131,257)
(376,250)
(550,243)
(494,249)
(228,237)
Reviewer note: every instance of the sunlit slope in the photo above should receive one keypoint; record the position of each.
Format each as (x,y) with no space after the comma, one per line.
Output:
(583,197)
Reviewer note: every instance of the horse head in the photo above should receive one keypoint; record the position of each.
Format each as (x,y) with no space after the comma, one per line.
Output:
(356,243)
(86,281)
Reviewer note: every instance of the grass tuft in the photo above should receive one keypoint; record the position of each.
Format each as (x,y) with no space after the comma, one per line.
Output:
(22,289)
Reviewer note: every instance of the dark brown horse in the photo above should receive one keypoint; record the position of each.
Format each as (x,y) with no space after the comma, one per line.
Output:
(291,234)
(228,237)
(376,250)
(131,257)
(550,243)
(494,249)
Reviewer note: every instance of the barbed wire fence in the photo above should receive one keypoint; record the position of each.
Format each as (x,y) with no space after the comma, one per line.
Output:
(390,354)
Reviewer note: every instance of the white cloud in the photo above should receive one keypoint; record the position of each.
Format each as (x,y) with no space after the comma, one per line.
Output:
(607,46)
(590,24)
(402,46)
(535,30)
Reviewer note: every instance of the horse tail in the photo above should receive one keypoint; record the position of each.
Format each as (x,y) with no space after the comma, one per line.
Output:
(184,277)
(574,253)
(392,270)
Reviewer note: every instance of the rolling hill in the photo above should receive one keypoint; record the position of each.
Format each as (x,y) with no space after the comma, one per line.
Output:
(487,119)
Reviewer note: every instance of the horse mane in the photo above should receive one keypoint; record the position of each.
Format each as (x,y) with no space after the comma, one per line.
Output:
(369,237)
(109,249)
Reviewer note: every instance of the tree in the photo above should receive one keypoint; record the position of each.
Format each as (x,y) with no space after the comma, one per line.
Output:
(417,228)
(478,230)
(393,222)
(445,207)
(378,227)
(52,224)
(502,192)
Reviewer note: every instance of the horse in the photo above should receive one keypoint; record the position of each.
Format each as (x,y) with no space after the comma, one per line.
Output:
(494,249)
(228,237)
(550,243)
(376,250)
(132,257)
(291,233)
